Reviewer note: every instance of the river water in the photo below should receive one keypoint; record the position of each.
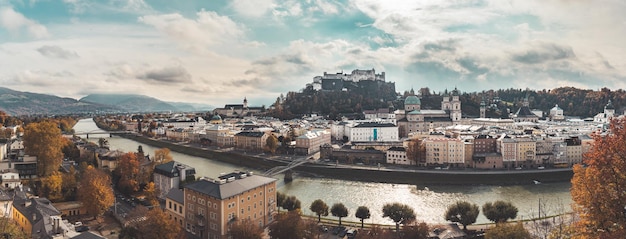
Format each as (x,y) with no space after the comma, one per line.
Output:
(429,202)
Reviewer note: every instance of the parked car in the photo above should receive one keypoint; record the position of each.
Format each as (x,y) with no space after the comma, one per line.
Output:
(82,229)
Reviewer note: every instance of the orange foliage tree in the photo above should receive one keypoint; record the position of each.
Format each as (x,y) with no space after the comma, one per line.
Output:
(157,226)
(599,189)
(128,172)
(95,191)
(44,140)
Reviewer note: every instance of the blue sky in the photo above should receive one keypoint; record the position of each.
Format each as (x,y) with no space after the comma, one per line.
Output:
(219,51)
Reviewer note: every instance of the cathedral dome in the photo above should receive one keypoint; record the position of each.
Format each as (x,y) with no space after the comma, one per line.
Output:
(412,100)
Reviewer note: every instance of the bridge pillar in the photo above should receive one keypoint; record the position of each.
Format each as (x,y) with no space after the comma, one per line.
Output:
(288,176)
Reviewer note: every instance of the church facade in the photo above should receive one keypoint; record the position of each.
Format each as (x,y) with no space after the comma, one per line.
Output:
(413,119)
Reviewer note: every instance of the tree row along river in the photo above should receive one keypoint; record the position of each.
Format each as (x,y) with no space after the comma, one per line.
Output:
(428,201)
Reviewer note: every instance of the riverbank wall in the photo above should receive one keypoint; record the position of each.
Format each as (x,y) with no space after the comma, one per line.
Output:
(416,177)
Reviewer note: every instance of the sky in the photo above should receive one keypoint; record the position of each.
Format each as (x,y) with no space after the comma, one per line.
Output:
(217,52)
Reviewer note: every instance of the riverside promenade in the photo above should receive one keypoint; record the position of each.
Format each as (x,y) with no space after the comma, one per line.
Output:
(369,173)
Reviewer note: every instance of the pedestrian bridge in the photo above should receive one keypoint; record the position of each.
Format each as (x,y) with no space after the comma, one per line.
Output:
(99,131)
(281,169)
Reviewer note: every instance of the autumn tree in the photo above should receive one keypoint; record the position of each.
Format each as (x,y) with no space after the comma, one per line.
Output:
(9,229)
(415,231)
(287,225)
(399,213)
(51,186)
(508,231)
(499,211)
(158,226)
(599,189)
(69,184)
(416,151)
(362,213)
(151,193)
(320,208)
(339,210)
(162,156)
(127,171)
(245,229)
(95,191)
(44,140)
(462,212)
(271,144)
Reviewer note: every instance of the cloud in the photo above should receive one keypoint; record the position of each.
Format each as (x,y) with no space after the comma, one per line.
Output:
(15,22)
(208,29)
(56,52)
(252,8)
(543,52)
(77,6)
(42,78)
(167,75)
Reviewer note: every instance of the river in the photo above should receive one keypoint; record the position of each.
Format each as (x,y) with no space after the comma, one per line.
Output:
(428,201)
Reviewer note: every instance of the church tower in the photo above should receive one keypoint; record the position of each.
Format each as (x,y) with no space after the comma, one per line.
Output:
(445,103)
(483,108)
(245,102)
(455,111)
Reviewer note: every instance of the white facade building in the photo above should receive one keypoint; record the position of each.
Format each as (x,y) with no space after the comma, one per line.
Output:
(374,132)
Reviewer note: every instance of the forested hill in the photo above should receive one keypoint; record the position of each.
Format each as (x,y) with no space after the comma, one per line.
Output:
(575,102)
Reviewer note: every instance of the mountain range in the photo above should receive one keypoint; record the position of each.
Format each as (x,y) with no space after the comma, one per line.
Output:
(25,103)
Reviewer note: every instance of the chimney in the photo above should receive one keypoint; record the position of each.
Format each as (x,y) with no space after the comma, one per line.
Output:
(34,217)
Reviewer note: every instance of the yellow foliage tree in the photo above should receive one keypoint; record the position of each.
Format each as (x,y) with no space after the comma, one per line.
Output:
(128,172)
(95,191)
(162,156)
(599,190)
(51,186)
(44,140)
(151,192)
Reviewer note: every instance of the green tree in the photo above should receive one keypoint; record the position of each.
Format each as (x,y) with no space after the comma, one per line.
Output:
(280,200)
(291,203)
(508,231)
(462,212)
(339,210)
(44,140)
(399,213)
(103,143)
(499,211)
(271,144)
(245,229)
(320,208)
(362,213)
